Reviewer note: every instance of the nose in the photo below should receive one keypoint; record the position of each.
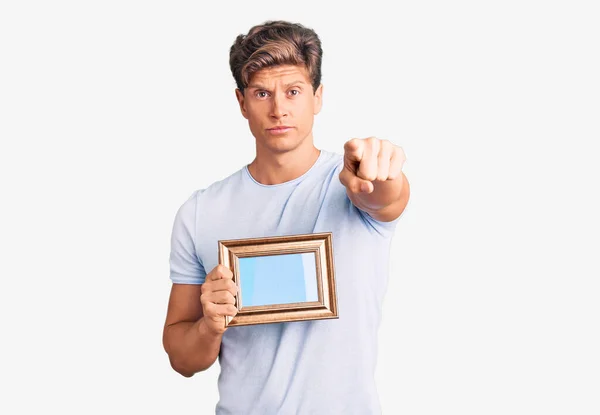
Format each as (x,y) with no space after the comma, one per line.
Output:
(278,109)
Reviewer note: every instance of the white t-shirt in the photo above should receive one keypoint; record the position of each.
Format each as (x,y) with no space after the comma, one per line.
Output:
(303,367)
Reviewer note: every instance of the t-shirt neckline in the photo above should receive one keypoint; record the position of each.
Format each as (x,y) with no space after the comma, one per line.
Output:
(306,173)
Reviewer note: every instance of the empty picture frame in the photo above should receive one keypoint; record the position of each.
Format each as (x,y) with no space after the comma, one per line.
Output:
(281,278)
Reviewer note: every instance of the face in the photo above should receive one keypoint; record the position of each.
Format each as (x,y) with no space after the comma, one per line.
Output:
(280,106)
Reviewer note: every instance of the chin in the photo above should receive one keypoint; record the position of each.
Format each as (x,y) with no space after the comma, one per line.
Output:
(281,144)
(282,148)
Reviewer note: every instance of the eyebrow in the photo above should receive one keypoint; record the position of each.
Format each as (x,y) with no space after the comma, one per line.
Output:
(259,86)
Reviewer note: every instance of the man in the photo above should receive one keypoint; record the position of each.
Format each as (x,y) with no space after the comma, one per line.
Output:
(291,187)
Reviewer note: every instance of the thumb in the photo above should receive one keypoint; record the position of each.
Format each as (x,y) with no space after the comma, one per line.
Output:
(354,183)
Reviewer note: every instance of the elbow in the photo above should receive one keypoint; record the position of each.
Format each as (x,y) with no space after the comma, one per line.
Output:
(183,372)
(181,368)
(183,361)
(176,363)
(188,369)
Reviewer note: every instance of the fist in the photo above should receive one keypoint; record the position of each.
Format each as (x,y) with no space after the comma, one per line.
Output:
(370,160)
(218,298)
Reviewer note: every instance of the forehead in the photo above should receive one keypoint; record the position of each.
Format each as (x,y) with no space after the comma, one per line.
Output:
(280,73)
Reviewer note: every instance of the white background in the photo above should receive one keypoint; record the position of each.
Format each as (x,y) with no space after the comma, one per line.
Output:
(113,112)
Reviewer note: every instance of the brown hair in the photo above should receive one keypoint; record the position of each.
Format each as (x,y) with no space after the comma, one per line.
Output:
(275,43)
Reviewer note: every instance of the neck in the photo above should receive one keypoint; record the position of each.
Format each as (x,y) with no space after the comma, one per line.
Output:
(271,168)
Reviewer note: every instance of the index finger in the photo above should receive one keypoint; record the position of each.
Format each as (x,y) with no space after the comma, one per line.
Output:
(354,149)
(219,272)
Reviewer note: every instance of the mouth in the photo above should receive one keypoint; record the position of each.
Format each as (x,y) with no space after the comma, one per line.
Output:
(279,129)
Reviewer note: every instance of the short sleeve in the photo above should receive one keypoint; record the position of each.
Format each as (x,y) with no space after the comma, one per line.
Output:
(385,229)
(185,265)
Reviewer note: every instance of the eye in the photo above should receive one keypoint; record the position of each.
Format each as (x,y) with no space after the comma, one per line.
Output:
(294,92)
(261,94)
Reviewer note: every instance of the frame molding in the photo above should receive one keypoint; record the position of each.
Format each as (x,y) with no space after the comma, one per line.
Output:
(321,244)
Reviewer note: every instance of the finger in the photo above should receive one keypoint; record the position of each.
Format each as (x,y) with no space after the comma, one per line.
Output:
(353,149)
(396,163)
(218,297)
(212,310)
(384,159)
(226,310)
(219,272)
(225,285)
(354,183)
(368,165)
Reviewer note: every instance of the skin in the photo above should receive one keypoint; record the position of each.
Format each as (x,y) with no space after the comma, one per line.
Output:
(281,96)
(372,175)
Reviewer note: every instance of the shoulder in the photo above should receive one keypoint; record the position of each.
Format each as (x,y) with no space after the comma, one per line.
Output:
(202,199)
(333,159)
(329,168)
(216,188)
(230,182)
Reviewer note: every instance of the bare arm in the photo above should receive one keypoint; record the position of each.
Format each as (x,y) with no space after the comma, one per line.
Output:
(195,321)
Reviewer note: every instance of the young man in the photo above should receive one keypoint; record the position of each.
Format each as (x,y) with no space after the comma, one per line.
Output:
(291,187)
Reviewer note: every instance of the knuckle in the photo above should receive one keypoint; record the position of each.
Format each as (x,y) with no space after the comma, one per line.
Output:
(204,297)
(344,175)
(207,287)
(219,270)
(209,309)
(351,145)
(230,298)
(386,151)
(219,311)
(226,272)
(370,176)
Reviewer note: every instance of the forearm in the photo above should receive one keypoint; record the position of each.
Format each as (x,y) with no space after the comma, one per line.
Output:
(191,346)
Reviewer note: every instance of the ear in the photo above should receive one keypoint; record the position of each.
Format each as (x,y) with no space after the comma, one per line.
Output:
(240,97)
(318,100)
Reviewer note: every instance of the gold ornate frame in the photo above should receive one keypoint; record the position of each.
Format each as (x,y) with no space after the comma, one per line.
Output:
(319,243)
